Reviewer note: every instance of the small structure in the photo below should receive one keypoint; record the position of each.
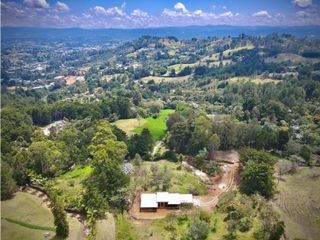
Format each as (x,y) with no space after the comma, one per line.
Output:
(150,202)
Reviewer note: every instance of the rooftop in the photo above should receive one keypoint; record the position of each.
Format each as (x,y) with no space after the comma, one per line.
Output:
(151,200)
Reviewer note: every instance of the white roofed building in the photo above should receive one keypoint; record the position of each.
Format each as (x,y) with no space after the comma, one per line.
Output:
(153,201)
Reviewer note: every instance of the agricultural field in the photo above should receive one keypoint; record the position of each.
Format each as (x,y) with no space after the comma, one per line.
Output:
(157,126)
(298,203)
(182,181)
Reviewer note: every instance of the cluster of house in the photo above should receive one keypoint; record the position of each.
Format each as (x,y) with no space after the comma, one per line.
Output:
(150,202)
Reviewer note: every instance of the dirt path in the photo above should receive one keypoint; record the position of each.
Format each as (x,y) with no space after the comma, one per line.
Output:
(157,147)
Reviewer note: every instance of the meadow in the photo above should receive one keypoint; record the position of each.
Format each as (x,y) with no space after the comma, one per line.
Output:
(298,203)
(157,126)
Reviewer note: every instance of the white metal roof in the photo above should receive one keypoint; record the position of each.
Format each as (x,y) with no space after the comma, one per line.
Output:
(186,198)
(174,199)
(148,200)
(162,197)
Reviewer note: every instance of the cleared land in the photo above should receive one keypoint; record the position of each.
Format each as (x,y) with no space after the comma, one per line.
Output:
(255,80)
(128,125)
(159,79)
(295,58)
(298,203)
(157,126)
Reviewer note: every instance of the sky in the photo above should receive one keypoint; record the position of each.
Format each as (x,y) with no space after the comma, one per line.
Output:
(157,13)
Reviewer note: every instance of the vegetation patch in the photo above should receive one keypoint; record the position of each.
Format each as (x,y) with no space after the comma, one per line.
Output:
(28,225)
(125,229)
(157,126)
(71,182)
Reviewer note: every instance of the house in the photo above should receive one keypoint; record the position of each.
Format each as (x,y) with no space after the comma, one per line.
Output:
(150,202)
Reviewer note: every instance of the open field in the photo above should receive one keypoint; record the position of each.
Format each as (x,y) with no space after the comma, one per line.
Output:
(27,212)
(157,126)
(158,79)
(255,80)
(71,182)
(128,125)
(298,203)
(28,217)
(179,67)
(285,57)
(231,51)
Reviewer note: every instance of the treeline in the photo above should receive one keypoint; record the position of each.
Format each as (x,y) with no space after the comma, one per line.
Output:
(112,109)
(190,132)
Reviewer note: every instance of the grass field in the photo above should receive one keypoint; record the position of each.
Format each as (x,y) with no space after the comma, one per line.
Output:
(25,217)
(157,126)
(255,80)
(158,79)
(25,213)
(71,182)
(231,51)
(298,203)
(125,229)
(182,181)
(128,125)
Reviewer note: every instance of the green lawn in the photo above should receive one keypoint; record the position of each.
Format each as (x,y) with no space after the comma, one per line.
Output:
(26,218)
(157,126)
(71,182)
(298,203)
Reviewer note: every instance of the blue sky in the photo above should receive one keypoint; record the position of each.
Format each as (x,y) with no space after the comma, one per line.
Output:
(153,13)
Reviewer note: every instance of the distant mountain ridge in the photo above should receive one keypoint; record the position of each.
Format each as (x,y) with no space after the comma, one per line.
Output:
(179,32)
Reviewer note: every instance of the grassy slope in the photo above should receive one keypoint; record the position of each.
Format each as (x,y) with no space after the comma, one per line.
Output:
(181,180)
(125,229)
(25,208)
(128,125)
(158,79)
(157,126)
(71,182)
(298,203)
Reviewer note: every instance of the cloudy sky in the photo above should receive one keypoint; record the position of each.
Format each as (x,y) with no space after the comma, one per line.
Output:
(157,13)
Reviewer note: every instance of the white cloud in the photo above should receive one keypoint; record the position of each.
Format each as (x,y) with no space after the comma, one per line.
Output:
(139,13)
(198,12)
(227,14)
(115,11)
(37,3)
(261,13)
(224,7)
(62,6)
(302,3)
(99,10)
(180,7)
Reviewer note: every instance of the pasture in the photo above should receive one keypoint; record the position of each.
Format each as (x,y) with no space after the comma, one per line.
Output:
(25,217)
(128,125)
(298,203)
(157,126)
(255,80)
(159,79)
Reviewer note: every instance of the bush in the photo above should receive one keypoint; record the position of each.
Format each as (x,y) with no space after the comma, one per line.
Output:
(170,155)
(245,224)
